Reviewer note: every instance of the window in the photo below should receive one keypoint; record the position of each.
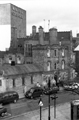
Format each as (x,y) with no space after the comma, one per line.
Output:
(55,52)
(18,59)
(31,79)
(0,82)
(63,52)
(48,65)
(13,82)
(48,52)
(23,81)
(10,59)
(55,65)
(28,50)
(63,64)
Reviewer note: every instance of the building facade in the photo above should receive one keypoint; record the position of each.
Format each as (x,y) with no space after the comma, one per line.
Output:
(43,54)
(52,51)
(12,24)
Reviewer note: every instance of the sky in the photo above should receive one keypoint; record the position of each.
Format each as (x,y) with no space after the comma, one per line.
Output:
(63,14)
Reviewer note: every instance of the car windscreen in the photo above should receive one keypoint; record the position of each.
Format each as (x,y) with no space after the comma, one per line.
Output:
(31,90)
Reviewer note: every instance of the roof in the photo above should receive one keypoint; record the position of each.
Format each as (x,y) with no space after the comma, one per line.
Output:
(64,35)
(20,69)
(77,48)
(2,53)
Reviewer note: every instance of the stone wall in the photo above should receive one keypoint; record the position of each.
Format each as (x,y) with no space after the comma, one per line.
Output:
(19,86)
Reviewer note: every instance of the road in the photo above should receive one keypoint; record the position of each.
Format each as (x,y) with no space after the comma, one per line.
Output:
(25,105)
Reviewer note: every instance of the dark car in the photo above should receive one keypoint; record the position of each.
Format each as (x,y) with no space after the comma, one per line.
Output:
(34,92)
(3,111)
(9,97)
(52,90)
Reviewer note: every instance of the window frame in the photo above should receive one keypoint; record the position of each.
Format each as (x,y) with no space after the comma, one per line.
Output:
(48,64)
(63,61)
(0,82)
(48,52)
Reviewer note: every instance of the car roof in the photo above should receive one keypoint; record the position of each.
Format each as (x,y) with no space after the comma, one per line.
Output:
(8,92)
(36,87)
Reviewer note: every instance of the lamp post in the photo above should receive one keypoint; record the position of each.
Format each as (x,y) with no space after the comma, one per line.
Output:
(50,91)
(49,99)
(54,97)
(40,104)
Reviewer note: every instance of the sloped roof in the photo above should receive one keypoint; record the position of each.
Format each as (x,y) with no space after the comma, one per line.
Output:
(63,35)
(2,53)
(20,69)
(77,48)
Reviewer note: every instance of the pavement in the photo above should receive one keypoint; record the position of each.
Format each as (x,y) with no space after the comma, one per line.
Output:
(62,113)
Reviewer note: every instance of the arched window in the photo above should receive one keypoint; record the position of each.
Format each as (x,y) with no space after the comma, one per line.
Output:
(63,64)
(55,65)
(48,52)
(48,65)
(63,52)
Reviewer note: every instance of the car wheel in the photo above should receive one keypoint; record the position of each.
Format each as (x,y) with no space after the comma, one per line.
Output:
(6,113)
(15,101)
(2,114)
(31,97)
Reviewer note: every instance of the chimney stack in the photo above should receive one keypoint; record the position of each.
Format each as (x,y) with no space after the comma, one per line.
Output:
(33,30)
(41,35)
(78,35)
(53,35)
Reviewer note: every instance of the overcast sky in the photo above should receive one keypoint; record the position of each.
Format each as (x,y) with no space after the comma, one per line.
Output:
(63,14)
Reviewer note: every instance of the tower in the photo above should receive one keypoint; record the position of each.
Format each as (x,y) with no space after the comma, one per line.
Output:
(12,24)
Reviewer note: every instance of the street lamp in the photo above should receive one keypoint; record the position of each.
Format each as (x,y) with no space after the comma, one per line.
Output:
(49,93)
(49,99)
(54,97)
(40,104)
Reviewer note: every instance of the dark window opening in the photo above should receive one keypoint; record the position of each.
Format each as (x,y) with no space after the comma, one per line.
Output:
(55,52)
(31,79)
(13,82)
(23,81)
(0,82)
(28,50)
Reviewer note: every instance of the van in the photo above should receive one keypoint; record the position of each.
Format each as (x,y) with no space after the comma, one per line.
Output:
(9,97)
(34,92)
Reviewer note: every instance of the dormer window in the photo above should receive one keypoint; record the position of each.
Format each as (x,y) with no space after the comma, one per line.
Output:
(18,59)
(10,59)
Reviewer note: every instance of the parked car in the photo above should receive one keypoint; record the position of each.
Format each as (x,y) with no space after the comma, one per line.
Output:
(70,87)
(34,92)
(9,97)
(3,111)
(53,90)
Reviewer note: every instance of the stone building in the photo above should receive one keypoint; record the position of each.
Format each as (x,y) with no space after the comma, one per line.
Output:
(17,77)
(12,24)
(52,51)
(36,57)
